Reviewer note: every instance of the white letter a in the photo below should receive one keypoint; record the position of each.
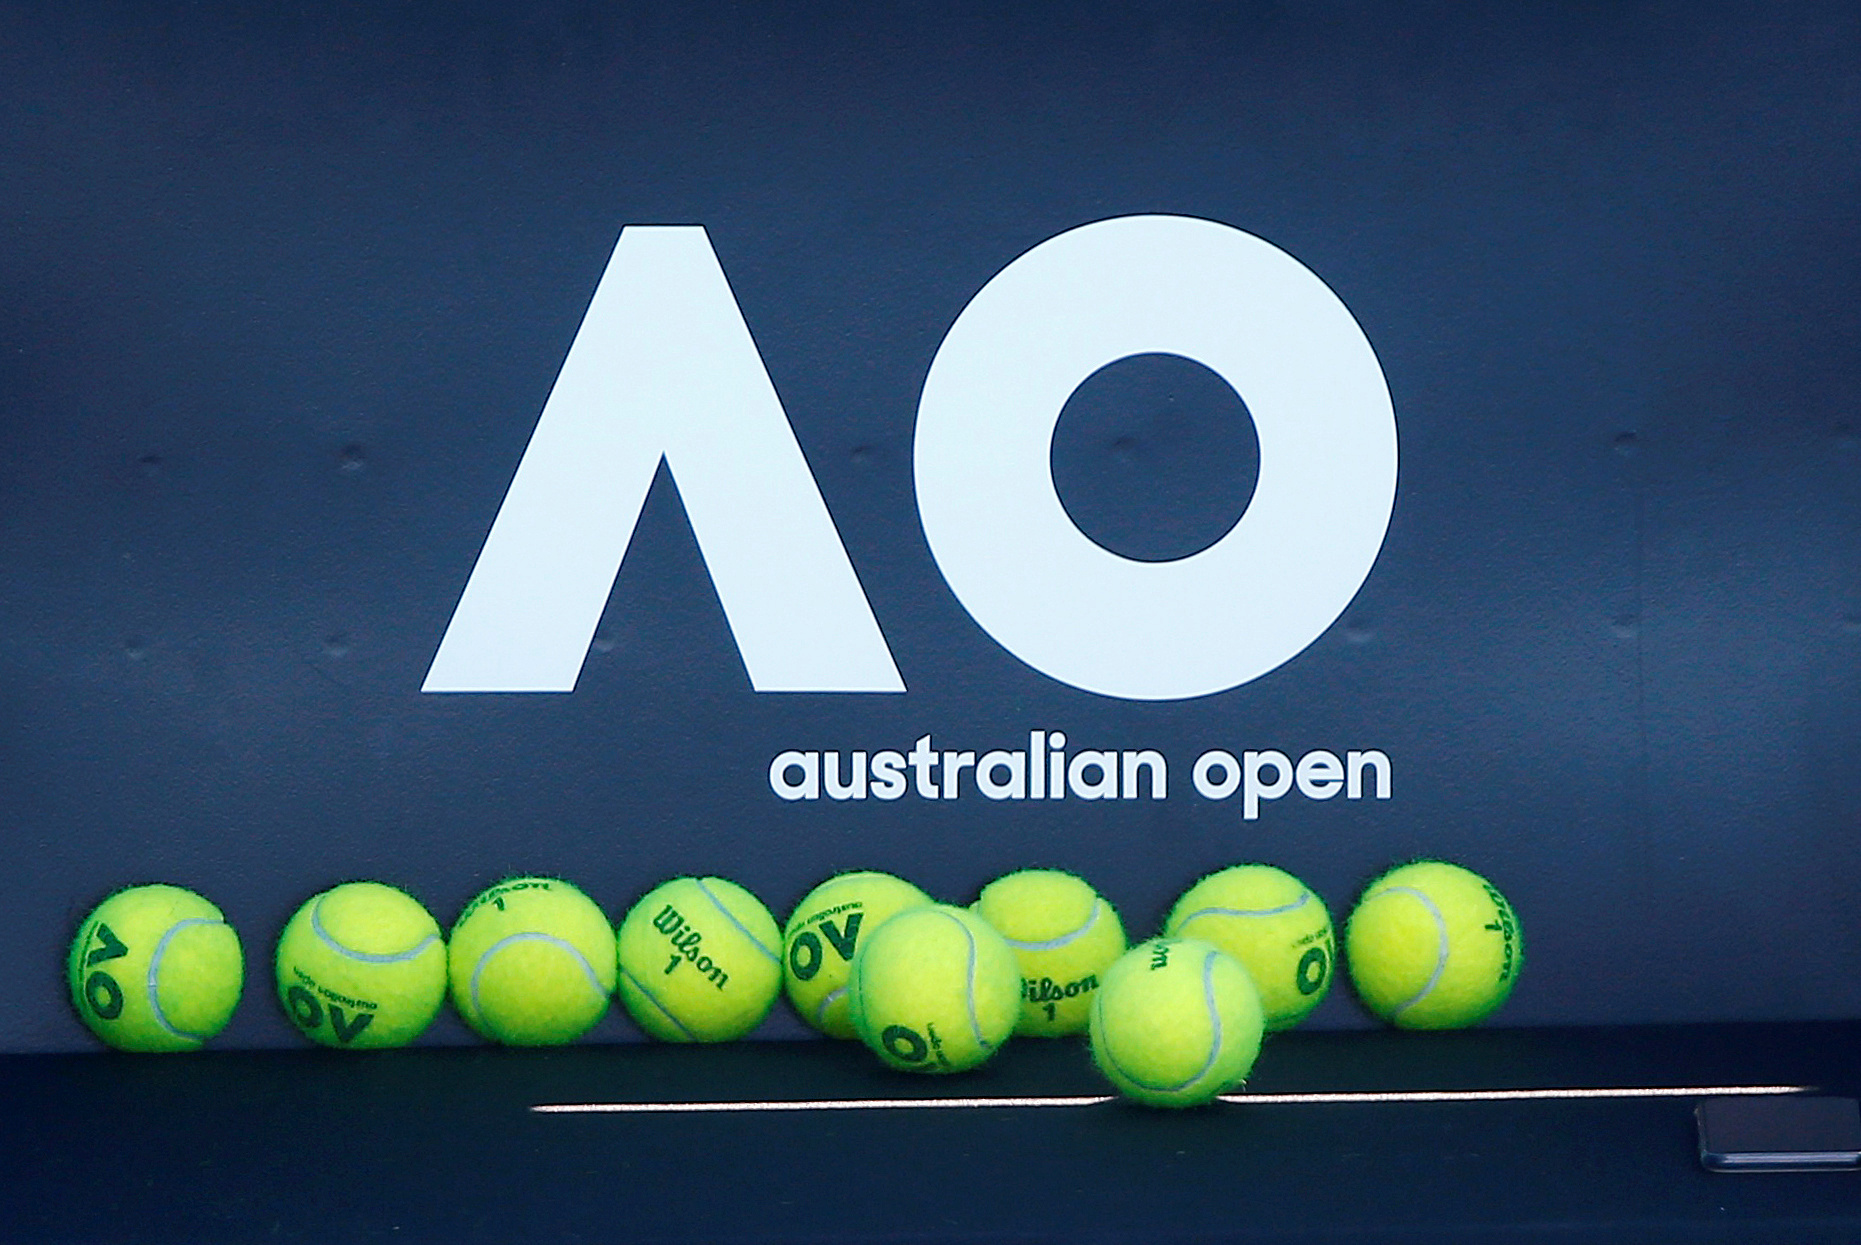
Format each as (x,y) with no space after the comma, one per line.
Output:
(663,367)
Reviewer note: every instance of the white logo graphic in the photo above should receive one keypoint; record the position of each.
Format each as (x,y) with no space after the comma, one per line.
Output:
(664,367)
(1245,310)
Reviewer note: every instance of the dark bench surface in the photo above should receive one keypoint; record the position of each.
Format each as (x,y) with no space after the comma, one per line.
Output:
(440,1144)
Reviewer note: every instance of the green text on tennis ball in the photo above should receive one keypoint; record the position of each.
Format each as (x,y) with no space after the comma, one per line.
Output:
(155,968)
(823,933)
(1064,938)
(700,961)
(934,989)
(361,966)
(1176,1022)
(531,962)
(1276,927)
(1433,946)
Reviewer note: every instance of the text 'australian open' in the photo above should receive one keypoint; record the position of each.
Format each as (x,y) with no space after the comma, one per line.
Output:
(1044,770)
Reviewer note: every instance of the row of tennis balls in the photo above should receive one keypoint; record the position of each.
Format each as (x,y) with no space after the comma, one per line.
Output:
(1174,1021)
(362,965)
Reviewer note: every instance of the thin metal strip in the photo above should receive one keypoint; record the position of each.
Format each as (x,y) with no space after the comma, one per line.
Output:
(1089,1100)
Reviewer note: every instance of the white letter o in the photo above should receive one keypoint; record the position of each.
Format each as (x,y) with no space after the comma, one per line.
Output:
(1257,318)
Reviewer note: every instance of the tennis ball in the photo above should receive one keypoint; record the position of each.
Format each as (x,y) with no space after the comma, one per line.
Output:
(1433,946)
(531,962)
(1064,937)
(699,961)
(934,989)
(1176,1022)
(362,966)
(822,934)
(1269,921)
(155,968)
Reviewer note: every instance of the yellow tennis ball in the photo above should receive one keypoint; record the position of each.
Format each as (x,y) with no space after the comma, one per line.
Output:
(361,966)
(155,968)
(822,934)
(1433,946)
(934,989)
(1276,927)
(1064,937)
(700,961)
(1176,1022)
(531,962)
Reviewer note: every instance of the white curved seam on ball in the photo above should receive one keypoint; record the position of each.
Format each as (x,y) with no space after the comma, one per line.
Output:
(366,957)
(650,997)
(1111,1057)
(969,995)
(1284,908)
(1104,1047)
(478,969)
(1214,1016)
(1434,978)
(155,968)
(732,918)
(1214,1045)
(1054,944)
(828,1000)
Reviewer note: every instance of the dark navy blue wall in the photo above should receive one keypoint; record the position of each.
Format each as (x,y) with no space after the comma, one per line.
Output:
(281,295)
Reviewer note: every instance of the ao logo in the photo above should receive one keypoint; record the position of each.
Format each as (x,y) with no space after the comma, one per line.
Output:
(663,367)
